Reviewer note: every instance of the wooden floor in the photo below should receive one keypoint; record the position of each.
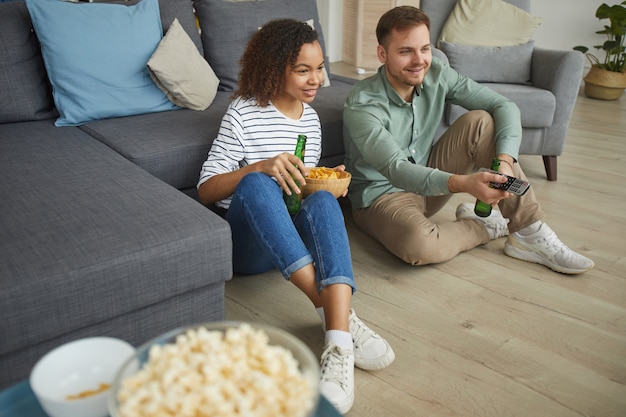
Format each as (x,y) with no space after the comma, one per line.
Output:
(486,335)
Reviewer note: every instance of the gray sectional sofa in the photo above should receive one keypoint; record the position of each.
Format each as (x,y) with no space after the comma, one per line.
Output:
(100,229)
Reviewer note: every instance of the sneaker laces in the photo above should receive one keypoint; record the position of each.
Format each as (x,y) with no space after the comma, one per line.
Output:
(552,243)
(544,247)
(553,246)
(497,228)
(334,367)
(495,223)
(360,332)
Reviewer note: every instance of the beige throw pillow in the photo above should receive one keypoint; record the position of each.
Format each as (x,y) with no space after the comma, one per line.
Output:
(489,23)
(181,72)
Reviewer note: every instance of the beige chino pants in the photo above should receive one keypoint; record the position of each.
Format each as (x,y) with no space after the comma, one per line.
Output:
(401,221)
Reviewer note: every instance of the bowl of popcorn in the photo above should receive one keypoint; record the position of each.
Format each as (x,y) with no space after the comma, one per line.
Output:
(218,369)
(322,178)
(75,379)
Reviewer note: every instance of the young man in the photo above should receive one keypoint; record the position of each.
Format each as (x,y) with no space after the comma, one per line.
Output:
(400,177)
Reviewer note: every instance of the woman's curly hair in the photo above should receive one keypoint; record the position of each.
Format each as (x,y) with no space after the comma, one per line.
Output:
(271,50)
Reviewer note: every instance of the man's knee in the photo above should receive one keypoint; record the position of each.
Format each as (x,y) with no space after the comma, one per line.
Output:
(420,254)
(480,120)
(480,116)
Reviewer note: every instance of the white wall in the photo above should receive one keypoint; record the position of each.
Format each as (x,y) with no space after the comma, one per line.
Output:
(566,23)
(331,19)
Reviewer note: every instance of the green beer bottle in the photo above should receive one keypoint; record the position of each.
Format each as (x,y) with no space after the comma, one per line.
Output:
(293,200)
(481,208)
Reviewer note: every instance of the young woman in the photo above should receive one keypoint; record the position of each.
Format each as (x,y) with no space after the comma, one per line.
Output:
(249,166)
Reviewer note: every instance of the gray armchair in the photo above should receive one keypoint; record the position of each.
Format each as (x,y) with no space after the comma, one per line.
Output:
(546,103)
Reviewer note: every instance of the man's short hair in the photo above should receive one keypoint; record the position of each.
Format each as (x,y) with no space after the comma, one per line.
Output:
(399,18)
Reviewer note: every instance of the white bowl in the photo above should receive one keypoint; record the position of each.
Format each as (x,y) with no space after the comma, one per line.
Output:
(307,363)
(78,367)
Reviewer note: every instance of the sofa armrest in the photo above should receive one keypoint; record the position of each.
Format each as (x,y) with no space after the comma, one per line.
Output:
(556,71)
(561,73)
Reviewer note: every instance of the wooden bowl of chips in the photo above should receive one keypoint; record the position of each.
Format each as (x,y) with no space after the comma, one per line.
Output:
(322,178)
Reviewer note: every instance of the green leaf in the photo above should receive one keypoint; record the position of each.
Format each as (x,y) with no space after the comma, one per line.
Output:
(617,12)
(611,46)
(603,11)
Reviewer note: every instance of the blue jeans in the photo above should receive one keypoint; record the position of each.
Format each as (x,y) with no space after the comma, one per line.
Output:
(265,236)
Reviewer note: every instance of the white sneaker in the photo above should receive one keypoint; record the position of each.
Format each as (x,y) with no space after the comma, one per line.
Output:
(337,377)
(545,248)
(371,351)
(495,223)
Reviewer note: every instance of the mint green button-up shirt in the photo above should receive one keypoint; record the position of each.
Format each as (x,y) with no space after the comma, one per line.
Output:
(383,133)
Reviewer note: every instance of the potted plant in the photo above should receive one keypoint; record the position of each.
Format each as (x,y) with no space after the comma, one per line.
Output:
(607,79)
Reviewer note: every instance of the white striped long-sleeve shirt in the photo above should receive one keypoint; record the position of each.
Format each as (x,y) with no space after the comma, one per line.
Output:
(250,133)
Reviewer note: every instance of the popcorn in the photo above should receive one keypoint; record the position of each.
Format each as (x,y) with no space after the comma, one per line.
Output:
(213,373)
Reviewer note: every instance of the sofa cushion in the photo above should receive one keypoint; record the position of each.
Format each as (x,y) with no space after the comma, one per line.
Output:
(494,64)
(181,72)
(537,106)
(24,86)
(183,11)
(96,56)
(170,10)
(489,23)
(86,236)
(176,146)
(178,142)
(224,41)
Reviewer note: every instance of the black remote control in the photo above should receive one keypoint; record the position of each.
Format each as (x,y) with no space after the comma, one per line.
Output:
(512,185)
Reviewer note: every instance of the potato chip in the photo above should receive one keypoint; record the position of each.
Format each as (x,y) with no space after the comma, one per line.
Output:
(322,173)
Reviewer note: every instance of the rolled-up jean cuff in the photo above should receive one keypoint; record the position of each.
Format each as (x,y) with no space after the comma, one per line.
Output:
(336,280)
(300,263)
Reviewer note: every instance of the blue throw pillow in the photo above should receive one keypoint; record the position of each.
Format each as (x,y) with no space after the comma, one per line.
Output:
(96,55)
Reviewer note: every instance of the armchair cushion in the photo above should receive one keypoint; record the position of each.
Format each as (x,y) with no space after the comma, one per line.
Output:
(546,104)
(493,64)
(488,23)
(537,106)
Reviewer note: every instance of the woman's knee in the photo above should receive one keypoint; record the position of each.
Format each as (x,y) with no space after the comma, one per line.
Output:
(255,180)
(321,201)
(257,183)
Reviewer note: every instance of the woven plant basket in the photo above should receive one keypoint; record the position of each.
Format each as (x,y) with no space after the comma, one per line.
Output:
(335,187)
(603,84)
